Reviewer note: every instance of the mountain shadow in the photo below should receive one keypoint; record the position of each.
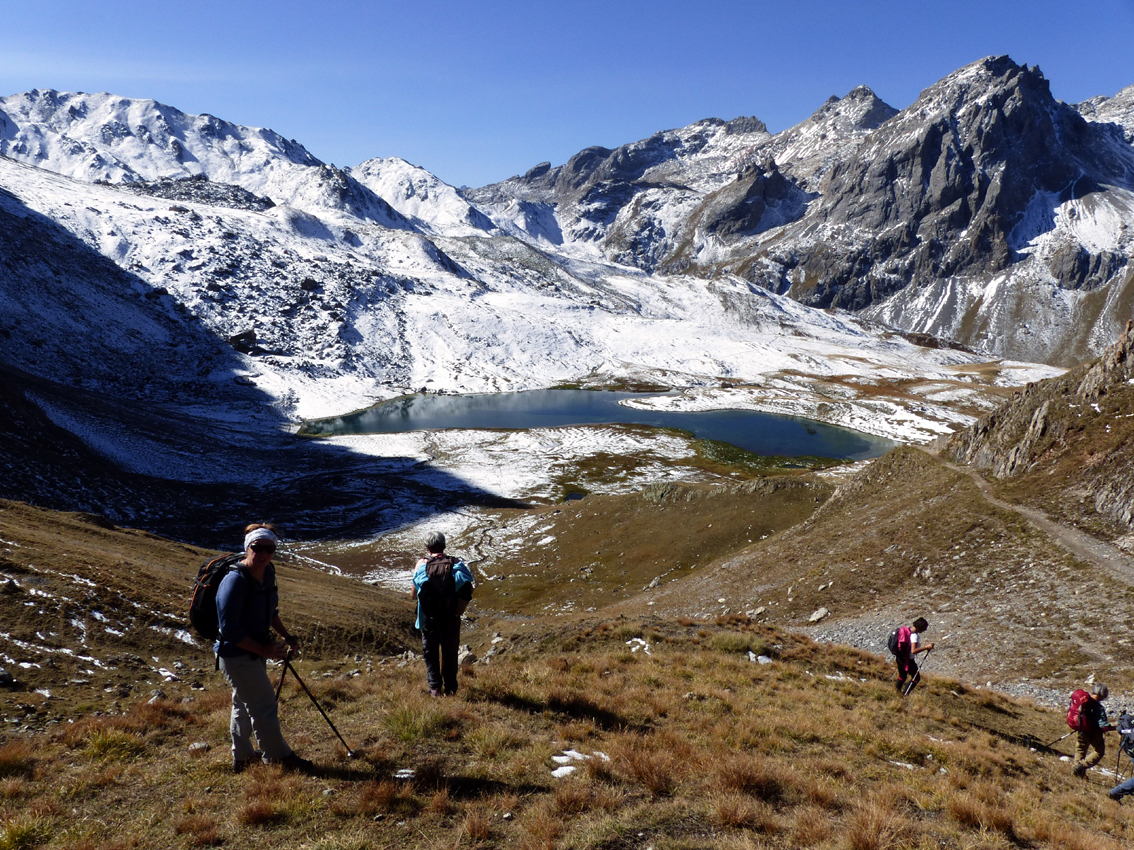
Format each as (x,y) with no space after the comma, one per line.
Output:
(116,400)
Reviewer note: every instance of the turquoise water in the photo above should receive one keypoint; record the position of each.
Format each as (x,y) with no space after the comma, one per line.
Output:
(762,433)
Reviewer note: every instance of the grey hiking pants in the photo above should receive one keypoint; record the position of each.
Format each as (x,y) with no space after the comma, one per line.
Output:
(254,710)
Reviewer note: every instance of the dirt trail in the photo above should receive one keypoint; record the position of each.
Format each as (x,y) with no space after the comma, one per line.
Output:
(1098,552)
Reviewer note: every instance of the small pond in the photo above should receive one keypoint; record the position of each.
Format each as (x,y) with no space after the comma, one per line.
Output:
(761,433)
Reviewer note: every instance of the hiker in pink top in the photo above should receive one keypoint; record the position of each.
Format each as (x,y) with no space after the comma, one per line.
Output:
(909,645)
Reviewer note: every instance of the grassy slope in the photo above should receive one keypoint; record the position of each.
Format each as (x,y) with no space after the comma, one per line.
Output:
(706,749)
(608,548)
(82,581)
(909,536)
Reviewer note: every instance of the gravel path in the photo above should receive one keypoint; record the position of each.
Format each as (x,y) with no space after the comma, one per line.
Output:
(1102,554)
(869,631)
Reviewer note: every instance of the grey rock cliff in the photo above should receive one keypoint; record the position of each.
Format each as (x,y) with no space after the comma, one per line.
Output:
(1070,432)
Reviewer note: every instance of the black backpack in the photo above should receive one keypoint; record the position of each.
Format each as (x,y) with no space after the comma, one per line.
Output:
(438,594)
(1125,727)
(892,642)
(203,603)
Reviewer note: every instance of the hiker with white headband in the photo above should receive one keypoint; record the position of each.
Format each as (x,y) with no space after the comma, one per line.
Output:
(248,611)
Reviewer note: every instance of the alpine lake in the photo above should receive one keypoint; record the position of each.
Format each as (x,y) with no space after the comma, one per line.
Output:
(765,434)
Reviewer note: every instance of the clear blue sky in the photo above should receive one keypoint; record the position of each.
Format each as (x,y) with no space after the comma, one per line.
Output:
(477,92)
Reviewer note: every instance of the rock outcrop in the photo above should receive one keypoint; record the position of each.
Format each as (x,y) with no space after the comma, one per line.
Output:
(1068,434)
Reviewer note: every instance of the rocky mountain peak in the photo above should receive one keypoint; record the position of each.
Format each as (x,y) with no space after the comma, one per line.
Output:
(860,109)
(945,184)
(918,217)
(1117,110)
(743,125)
(432,205)
(809,150)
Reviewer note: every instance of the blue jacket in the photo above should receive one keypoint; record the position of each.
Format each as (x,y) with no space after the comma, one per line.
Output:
(245,608)
(462,577)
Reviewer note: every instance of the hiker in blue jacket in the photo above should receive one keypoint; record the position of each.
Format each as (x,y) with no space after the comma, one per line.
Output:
(1125,728)
(442,586)
(247,611)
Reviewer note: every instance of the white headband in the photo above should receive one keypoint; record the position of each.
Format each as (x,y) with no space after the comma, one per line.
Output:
(258,534)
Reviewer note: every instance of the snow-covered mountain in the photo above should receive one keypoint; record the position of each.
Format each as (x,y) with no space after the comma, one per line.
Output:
(1112,110)
(986,212)
(150,299)
(101,137)
(434,206)
(181,268)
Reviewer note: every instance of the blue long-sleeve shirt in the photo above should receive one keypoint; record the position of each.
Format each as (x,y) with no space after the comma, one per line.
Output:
(245,608)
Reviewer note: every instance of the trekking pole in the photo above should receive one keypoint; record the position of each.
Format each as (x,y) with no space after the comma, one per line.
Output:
(1118,761)
(1057,740)
(916,677)
(279,687)
(287,666)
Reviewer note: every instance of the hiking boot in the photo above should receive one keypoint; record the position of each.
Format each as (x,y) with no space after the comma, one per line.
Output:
(433,692)
(296,764)
(241,765)
(1080,770)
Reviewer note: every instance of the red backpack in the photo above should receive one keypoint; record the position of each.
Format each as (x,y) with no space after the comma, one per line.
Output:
(1075,711)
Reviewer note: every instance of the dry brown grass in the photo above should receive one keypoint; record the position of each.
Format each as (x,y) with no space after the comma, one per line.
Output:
(139,582)
(477,824)
(879,820)
(751,774)
(811,826)
(542,827)
(665,530)
(737,811)
(705,748)
(201,830)
(17,759)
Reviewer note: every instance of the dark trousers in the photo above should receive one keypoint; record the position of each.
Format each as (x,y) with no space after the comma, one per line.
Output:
(907,669)
(439,648)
